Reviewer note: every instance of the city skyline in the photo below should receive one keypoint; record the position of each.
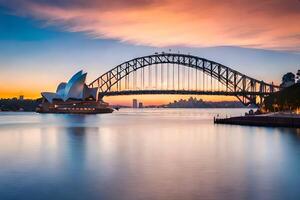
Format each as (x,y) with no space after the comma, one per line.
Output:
(44,43)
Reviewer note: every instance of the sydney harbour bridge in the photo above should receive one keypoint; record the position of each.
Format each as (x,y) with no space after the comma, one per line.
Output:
(174,73)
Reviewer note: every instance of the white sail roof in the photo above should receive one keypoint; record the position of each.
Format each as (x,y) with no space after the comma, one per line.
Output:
(75,88)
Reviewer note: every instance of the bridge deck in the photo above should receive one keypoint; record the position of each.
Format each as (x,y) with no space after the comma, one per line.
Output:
(182,92)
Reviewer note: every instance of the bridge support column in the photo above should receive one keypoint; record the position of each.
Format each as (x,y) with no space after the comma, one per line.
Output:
(261,100)
(100,97)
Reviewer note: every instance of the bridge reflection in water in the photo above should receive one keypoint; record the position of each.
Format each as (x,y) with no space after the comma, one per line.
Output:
(170,73)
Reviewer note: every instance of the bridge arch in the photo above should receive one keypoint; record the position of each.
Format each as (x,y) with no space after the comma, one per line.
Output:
(245,88)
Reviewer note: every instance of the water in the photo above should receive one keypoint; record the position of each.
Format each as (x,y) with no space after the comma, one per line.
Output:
(145,154)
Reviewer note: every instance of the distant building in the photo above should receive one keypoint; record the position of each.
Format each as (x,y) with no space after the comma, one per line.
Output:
(21,97)
(195,103)
(141,105)
(134,103)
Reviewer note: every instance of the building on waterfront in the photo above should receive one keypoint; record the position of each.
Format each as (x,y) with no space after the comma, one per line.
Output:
(134,103)
(73,97)
(141,105)
(74,89)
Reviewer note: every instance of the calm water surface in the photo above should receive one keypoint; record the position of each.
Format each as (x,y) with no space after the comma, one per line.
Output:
(145,154)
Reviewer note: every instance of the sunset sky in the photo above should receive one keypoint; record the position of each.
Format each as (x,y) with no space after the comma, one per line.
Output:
(44,42)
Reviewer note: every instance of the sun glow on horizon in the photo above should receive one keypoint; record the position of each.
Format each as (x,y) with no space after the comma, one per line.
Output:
(155,100)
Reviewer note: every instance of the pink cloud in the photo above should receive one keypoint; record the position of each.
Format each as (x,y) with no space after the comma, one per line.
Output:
(258,24)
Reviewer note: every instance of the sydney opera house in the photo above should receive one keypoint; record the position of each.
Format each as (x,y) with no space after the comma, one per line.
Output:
(73,97)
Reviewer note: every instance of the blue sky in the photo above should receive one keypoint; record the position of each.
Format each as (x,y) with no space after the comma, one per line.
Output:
(36,56)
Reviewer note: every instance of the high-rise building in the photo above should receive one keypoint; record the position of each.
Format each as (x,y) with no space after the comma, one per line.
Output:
(134,103)
(21,97)
(141,105)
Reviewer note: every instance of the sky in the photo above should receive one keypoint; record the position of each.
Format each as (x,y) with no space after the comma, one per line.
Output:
(44,42)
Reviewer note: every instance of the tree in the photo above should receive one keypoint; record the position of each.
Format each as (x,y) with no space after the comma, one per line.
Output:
(288,79)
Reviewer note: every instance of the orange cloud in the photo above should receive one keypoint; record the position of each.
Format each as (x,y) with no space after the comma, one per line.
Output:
(258,24)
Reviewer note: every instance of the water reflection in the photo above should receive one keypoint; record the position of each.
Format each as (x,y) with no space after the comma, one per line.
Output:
(150,154)
(75,138)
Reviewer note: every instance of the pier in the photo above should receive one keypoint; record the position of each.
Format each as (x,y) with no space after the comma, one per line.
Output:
(274,120)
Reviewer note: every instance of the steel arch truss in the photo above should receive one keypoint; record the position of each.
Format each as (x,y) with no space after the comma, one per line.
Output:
(245,88)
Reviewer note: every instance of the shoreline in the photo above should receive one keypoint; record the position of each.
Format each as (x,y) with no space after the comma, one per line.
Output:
(267,120)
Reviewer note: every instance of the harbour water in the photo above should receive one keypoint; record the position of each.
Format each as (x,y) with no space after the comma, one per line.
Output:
(145,154)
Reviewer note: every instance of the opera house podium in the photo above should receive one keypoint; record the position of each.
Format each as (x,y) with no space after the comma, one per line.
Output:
(73,97)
